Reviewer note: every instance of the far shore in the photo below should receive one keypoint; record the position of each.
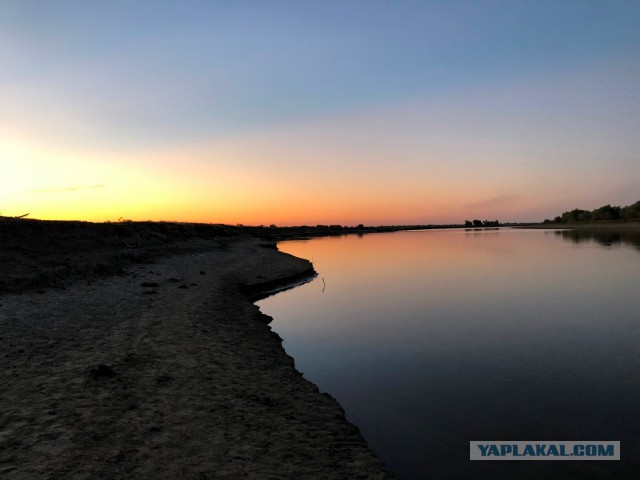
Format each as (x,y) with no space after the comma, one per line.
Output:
(38,255)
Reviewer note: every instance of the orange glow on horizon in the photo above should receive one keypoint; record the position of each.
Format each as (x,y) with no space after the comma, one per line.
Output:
(258,181)
(52,183)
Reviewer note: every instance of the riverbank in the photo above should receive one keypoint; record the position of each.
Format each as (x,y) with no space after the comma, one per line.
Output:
(163,370)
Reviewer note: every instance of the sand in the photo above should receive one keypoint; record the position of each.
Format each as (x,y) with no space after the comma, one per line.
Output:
(181,378)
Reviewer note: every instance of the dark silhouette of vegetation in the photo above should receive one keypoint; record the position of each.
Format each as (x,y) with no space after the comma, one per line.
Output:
(481,223)
(604,214)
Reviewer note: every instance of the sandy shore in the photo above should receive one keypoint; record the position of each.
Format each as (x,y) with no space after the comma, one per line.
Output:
(167,371)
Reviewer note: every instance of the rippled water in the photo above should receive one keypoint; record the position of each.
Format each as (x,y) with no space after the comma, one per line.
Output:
(431,339)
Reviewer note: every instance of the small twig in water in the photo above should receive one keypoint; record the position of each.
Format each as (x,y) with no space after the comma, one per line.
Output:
(324,284)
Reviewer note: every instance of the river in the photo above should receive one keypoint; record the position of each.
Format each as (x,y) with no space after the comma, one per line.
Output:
(432,339)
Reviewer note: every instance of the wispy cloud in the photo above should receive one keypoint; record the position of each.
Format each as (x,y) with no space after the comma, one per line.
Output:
(69,189)
(497,201)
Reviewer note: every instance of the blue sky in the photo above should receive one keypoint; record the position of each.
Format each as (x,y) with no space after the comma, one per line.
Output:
(443,91)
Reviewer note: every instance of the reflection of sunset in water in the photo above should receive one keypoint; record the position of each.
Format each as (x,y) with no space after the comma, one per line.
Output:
(431,339)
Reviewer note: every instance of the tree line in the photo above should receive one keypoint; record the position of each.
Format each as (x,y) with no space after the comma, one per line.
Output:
(606,213)
(481,223)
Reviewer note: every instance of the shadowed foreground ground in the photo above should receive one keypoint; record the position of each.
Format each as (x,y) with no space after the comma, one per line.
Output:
(166,371)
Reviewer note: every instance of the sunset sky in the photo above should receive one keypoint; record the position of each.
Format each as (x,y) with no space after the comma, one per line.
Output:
(373,112)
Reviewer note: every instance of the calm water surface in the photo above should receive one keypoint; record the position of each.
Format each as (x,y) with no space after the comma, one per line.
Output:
(432,339)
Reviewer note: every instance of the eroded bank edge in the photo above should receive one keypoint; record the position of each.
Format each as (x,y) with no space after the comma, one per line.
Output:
(261,290)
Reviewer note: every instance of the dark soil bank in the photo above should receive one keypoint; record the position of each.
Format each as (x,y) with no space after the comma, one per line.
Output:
(165,371)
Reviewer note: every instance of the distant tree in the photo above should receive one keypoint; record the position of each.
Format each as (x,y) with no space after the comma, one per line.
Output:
(491,223)
(482,223)
(576,215)
(631,212)
(604,213)
(607,212)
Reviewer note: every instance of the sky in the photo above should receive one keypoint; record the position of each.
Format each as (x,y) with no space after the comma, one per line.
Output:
(318,112)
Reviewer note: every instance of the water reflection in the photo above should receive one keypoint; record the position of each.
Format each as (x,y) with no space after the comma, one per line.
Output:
(605,236)
(432,339)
